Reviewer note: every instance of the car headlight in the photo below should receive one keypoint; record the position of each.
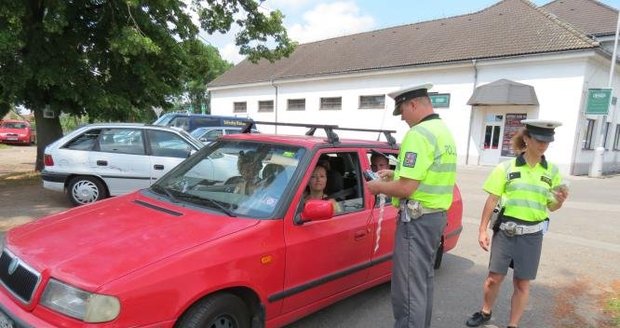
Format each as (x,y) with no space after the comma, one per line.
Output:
(80,304)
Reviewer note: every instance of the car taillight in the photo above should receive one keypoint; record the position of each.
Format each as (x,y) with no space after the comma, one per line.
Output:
(48,160)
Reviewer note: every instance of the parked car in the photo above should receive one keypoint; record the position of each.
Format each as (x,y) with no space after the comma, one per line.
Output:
(101,160)
(208,134)
(190,122)
(194,250)
(17,132)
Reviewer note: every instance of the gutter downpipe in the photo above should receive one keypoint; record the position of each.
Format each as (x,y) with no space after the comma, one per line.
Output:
(275,105)
(471,113)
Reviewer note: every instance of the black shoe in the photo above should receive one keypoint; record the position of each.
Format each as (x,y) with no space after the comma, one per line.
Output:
(478,319)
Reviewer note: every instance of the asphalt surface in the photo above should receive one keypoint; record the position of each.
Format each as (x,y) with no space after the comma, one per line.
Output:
(579,266)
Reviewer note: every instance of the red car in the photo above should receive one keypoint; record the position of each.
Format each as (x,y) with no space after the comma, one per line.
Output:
(17,132)
(201,249)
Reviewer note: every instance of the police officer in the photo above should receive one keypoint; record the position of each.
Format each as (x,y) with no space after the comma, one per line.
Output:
(527,186)
(421,186)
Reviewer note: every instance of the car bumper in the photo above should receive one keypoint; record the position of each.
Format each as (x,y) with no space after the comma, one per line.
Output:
(15,141)
(54,181)
(15,316)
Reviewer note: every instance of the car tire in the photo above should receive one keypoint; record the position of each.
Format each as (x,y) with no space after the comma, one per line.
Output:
(85,190)
(219,310)
(438,256)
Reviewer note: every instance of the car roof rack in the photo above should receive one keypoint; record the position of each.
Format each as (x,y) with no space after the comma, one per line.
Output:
(329,130)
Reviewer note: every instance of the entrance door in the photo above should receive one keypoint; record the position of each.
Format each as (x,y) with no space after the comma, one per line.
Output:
(491,146)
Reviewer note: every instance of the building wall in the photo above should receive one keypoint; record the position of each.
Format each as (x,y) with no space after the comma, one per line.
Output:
(559,81)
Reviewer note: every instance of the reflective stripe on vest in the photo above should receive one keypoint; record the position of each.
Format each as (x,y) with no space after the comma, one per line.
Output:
(436,190)
(526,197)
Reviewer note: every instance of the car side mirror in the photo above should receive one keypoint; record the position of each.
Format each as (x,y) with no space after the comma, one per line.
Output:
(317,210)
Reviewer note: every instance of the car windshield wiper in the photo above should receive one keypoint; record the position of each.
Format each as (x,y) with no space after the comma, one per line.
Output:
(207,200)
(159,189)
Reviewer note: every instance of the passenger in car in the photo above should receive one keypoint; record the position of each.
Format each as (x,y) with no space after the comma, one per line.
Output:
(316,186)
(379,162)
(249,165)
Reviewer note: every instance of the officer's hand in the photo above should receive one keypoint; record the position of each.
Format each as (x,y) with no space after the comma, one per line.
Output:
(386,175)
(561,195)
(483,240)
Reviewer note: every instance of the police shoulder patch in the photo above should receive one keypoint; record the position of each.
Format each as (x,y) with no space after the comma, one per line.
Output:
(410,158)
(546,180)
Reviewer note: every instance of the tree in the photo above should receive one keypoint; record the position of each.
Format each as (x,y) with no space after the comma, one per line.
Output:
(203,66)
(113,59)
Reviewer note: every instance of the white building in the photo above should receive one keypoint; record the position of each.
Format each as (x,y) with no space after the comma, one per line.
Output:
(490,69)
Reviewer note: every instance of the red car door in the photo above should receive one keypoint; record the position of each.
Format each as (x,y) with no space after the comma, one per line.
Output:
(327,257)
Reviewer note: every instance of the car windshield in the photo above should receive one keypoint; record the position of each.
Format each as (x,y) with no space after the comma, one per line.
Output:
(164,119)
(237,178)
(14,125)
(197,132)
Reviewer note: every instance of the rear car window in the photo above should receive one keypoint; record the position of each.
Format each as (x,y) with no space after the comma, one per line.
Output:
(84,141)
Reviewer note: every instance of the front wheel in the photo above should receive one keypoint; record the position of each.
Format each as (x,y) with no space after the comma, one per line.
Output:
(217,311)
(85,190)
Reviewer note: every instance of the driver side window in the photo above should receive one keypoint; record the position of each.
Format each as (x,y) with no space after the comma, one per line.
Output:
(342,172)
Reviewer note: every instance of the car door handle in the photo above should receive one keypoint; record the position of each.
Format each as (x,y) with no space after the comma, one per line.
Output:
(360,234)
(102,163)
(158,167)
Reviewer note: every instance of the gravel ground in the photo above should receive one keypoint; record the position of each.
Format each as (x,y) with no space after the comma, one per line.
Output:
(24,200)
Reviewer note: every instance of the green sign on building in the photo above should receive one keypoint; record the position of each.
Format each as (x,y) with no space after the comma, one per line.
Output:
(440,100)
(598,101)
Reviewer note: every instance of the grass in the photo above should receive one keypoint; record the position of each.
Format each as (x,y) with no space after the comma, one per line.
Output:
(612,305)
(20,179)
(3,146)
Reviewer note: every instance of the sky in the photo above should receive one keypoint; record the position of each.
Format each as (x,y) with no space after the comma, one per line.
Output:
(312,20)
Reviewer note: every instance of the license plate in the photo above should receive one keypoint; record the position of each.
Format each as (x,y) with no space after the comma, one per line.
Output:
(5,321)
(11,138)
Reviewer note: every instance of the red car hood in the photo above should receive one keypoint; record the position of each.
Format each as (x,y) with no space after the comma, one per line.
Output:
(94,244)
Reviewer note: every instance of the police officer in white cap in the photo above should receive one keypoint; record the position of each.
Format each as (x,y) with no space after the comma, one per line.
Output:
(422,187)
(528,187)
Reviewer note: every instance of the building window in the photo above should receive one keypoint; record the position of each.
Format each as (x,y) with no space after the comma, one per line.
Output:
(240,107)
(331,103)
(589,135)
(605,135)
(296,104)
(265,106)
(617,138)
(372,102)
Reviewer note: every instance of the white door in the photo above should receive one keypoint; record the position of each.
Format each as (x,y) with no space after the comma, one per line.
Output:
(491,143)
(167,151)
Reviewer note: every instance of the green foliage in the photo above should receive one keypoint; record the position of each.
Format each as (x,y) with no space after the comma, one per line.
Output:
(612,306)
(116,59)
(203,66)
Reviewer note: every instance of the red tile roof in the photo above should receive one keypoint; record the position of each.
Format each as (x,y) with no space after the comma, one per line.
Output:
(508,28)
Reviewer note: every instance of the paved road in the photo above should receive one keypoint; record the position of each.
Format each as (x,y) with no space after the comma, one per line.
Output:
(579,264)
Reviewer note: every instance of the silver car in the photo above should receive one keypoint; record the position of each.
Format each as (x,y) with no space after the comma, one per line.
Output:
(101,160)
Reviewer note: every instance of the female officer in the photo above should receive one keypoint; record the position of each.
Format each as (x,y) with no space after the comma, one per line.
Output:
(528,186)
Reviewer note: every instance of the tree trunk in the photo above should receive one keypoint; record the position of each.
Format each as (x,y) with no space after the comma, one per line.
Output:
(48,131)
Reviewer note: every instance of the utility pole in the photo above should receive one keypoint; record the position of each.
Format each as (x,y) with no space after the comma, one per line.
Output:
(596,169)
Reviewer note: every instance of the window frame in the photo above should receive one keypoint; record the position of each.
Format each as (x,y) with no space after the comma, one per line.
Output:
(266,106)
(237,107)
(616,144)
(296,108)
(587,141)
(373,105)
(330,103)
